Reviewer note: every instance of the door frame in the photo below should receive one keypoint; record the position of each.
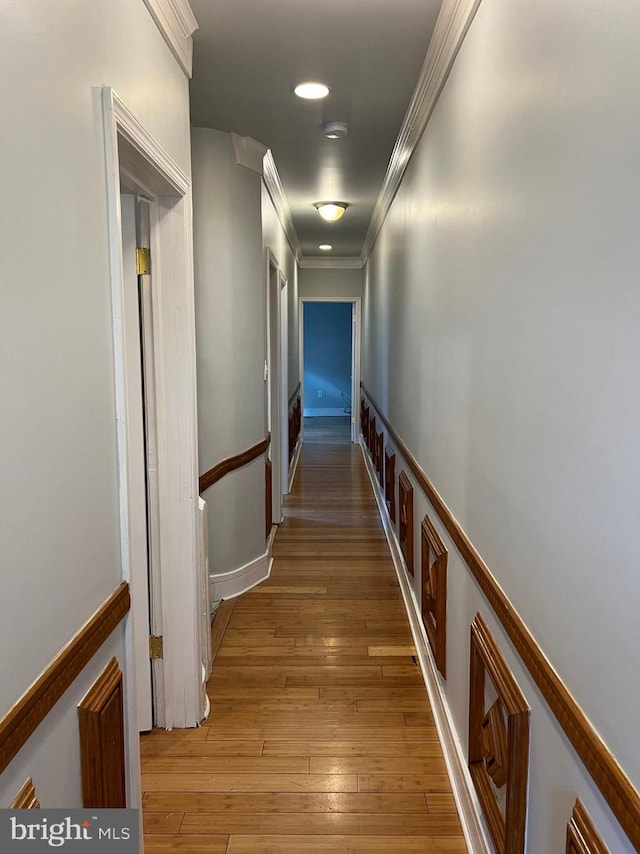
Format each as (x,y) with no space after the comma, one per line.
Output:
(356,319)
(179,693)
(276,364)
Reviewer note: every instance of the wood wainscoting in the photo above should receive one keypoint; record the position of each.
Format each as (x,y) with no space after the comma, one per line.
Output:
(434,592)
(268,497)
(230,464)
(390,482)
(498,750)
(27,714)
(582,837)
(613,783)
(26,799)
(102,760)
(379,454)
(371,436)
(226,466)
(295,421)
(405,528)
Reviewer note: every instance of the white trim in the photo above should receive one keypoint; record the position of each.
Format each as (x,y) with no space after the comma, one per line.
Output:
(294,463)
(283,380)
(249,152)
(277,194)
(132,130)
(176,22)
(277,404)
(178,687)
(466,800)
(228,585)
(312,262)
(451,27)
(324,413)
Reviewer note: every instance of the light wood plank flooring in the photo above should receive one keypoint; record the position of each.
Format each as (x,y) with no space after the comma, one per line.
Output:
(320,738)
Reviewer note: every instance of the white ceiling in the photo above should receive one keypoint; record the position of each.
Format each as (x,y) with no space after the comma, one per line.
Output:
(248,56)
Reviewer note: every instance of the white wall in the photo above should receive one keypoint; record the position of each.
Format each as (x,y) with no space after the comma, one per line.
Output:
(230,333)
(58,491)
(275,239)
(501,320)
(330,283)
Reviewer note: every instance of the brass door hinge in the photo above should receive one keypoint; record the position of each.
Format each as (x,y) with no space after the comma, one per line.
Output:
(155,646)
(143,261)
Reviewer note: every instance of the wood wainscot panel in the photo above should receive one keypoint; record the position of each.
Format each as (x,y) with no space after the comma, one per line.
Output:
(379,454)
(390,482)
(21,721)
(298,416)
(610,778)
(295,422)
(582,837)
(365,426)
(371,443)
(101,721)
(292,439)
(405,529)
(268,496)
(498,742)
(434,592)
(363,417)
(26,799)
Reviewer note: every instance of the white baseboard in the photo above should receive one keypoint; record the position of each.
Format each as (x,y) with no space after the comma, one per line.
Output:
(323,413)
(228,585)
(294,464)
(461,783)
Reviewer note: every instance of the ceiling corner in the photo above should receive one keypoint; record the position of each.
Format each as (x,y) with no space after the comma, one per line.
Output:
(177,23)
(451,27)
(249,152)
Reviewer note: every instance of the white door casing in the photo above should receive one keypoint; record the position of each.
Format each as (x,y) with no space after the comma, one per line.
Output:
(133,155)
(276,409)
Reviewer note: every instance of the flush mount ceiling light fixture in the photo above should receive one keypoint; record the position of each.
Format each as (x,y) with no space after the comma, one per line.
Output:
(326,247)
(311,91)
(335,130)
(331,211)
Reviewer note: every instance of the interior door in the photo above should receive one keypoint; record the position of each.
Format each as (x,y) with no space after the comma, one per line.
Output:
(148,364)
(137,533)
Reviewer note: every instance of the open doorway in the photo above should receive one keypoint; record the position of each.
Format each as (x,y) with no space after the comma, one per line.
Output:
(330,368)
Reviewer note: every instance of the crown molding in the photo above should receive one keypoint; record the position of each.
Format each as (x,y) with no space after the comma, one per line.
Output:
(278,197)
(176,22)
(249,152)
(451,27)
(311,262)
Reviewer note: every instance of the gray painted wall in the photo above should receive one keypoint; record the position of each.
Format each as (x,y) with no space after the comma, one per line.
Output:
(504,287)
(330,283)
(59,514)
(230,323)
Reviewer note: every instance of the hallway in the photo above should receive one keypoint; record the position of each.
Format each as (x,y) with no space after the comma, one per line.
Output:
(320,738)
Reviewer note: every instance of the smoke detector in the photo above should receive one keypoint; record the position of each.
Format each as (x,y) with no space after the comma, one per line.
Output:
(335,130)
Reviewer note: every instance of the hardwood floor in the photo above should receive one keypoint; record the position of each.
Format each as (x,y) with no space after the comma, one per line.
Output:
(332,429)
(320,738)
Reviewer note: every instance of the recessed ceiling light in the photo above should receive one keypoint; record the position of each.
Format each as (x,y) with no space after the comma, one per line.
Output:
(331,211)
(311,91)
(335,130)
(326,247)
